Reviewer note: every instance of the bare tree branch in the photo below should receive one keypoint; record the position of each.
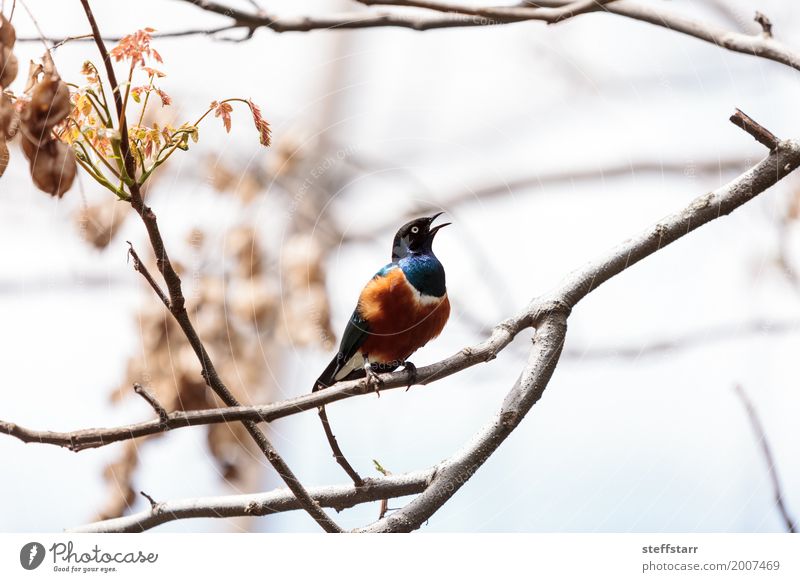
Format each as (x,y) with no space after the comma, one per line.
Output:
(550,14)
(756,45)
(163,416)
(60,41)
(766,451)
(349,20)
(764,23)
(97,437)
(761,134)
(176,303)
(338,497)
(459,16)
(484,351)
(140,268)
(548,314)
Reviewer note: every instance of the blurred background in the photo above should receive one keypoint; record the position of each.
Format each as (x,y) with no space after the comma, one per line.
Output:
(545,145)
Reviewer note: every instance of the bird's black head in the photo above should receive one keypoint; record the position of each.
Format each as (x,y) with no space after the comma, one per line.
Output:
(415,237)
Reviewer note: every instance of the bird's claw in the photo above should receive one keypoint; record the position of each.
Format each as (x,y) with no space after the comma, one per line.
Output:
(412,374)
(373,380)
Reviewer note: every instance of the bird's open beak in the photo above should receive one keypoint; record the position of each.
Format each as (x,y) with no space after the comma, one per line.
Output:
(434,230)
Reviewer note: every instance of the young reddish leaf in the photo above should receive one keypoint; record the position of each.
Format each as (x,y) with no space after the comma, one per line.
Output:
(153,72)
(264,131)
(165,99)
(223,110)
(136,47)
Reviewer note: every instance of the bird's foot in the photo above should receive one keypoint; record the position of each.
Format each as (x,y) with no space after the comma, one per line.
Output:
(412,374)
(373,379)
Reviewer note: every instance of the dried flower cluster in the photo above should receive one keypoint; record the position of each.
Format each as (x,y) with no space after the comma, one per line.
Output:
(8,72)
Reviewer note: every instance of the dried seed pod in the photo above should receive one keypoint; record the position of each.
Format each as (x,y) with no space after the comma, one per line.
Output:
(52,163)
(6,129)
(8,36)
(53,166)
(8,118)
(8,62)
(9,67)
(49,104)
(3,156)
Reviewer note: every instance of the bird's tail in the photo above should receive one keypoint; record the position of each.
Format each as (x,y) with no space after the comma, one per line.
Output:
(327,378)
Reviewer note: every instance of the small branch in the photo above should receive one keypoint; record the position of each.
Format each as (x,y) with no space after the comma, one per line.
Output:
(760,133)
(764,23)
(384,507)
(153,505)
(766,451)
(338,455)
(60,41)
(163,415)
(139,266)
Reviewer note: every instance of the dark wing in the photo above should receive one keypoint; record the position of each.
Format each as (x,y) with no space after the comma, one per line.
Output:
(353,338)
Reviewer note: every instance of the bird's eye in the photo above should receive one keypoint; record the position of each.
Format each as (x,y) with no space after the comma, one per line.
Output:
(415,229)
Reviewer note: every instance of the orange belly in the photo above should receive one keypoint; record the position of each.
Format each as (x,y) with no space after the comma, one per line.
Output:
(400,320)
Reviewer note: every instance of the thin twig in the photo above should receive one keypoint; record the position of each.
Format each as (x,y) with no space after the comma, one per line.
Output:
(148,396)
(153,503)
(761,134)
(764,23)
(139,267)
(384,507)
(337,451)
(766,451)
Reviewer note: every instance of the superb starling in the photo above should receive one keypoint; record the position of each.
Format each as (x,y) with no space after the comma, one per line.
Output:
(400,309)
